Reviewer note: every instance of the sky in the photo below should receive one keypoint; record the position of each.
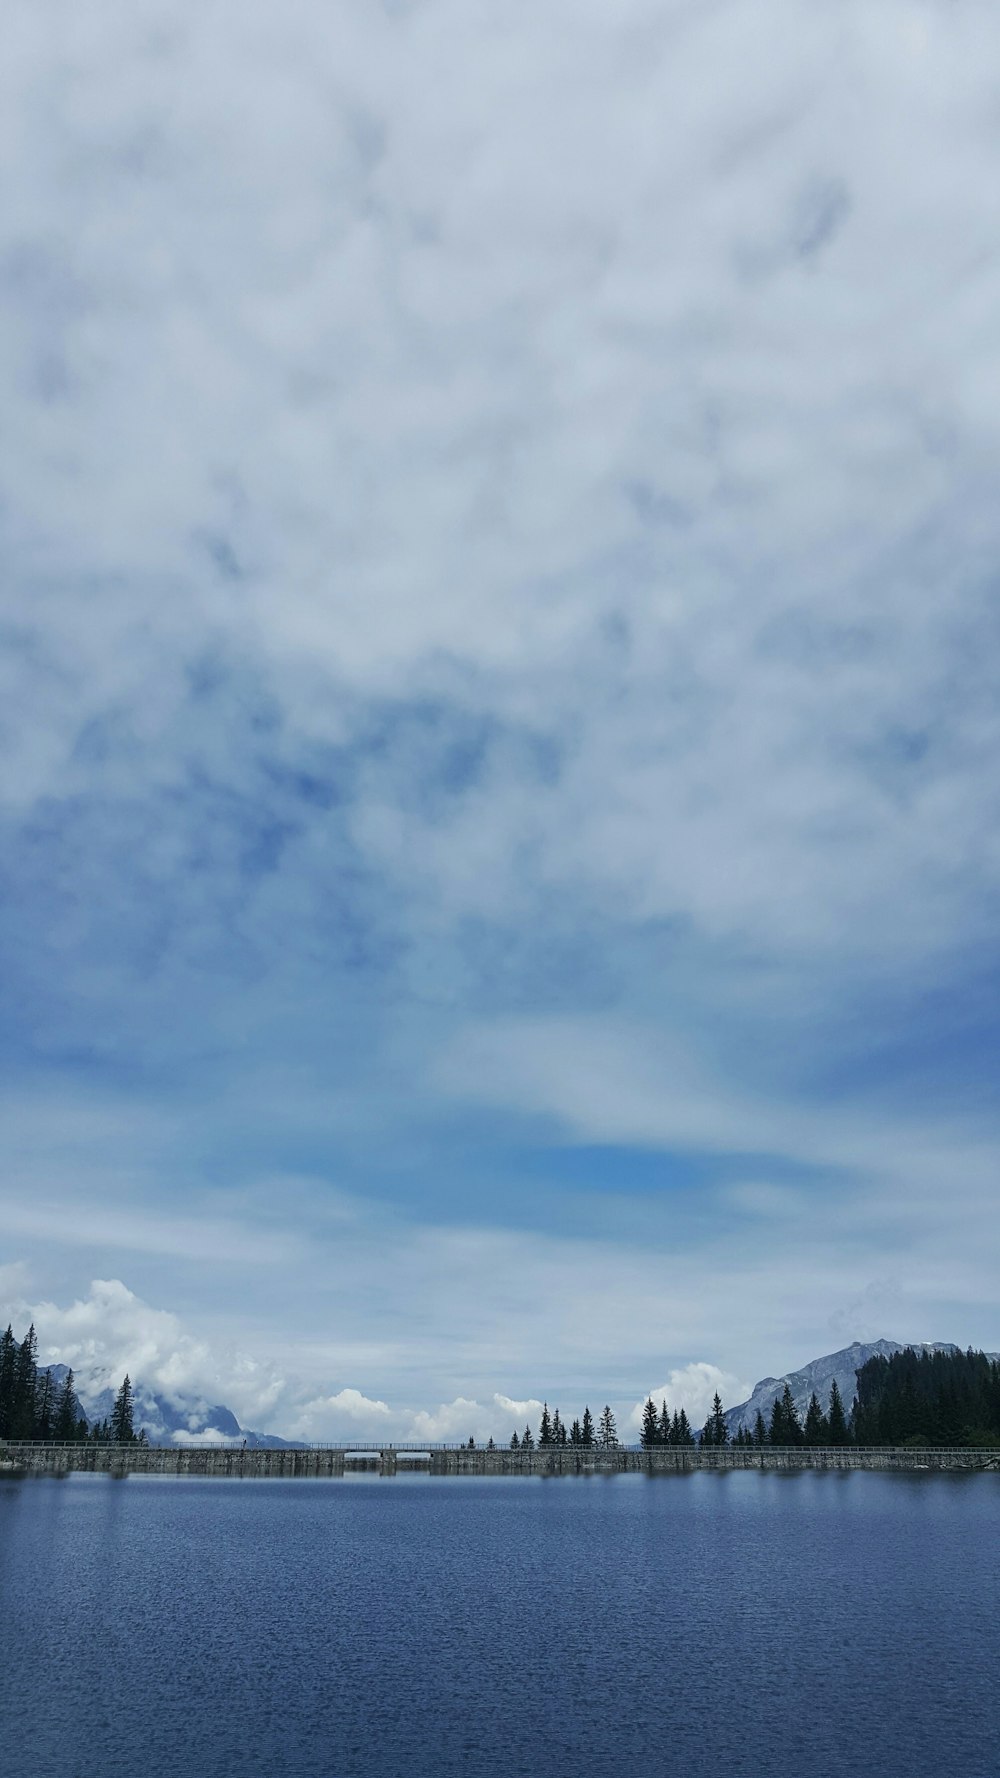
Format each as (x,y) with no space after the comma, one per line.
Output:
(499,715)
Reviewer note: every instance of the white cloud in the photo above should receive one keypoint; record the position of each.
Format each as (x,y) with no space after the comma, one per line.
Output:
(111,1331)
(693,1388)
(454,1420)
(616,407)
(334,1417)
(529,552)
(210,1435)
(518,1411)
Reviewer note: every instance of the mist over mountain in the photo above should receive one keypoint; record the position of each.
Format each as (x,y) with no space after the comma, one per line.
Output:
(166,1422)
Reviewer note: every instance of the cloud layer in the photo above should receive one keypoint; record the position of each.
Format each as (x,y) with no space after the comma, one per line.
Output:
(496,687)
(111,1332)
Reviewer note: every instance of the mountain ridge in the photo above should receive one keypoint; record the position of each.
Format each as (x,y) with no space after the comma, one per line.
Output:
(819,1375)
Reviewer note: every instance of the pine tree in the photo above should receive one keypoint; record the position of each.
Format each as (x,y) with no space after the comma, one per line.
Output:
(25,1386)
(684,1434)
(527,1442)
(44,1405)
(8,1368)
(515,1443)
(587,1430)
(122,1431)
(837,1422)
(576,1434)
(785,1428)
(759,1430)
(663,1426)
(558,1437)
(608,1435)
(716,1432)
(816,1428)
(545,1428)
(64,1426)
(650,1433)
(793,1425)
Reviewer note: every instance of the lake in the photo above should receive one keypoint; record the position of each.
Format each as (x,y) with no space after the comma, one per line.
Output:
(800,1626)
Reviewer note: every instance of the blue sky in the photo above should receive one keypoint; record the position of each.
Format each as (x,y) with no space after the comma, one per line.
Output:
(499,705)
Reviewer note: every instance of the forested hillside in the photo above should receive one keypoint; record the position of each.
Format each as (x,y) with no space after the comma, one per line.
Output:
(928,1398)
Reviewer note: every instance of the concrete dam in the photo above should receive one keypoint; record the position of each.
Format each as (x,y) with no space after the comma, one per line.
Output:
(235,1461)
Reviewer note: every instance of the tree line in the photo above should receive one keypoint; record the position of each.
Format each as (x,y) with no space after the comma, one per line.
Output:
(913,1398)
(582,1435)
(916,1398)
(661,1427)
(928,1398)
(35,1405)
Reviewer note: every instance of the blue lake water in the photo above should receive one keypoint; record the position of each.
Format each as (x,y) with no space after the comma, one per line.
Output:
(812,1626)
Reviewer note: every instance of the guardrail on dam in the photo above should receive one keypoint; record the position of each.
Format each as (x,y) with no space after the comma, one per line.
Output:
(36,1458)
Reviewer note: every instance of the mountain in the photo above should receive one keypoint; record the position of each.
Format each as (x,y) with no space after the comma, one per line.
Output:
(172,1422)
(819,1375)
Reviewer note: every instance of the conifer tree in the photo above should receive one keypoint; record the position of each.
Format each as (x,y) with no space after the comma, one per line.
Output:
(684,1434)
(716,1432)
(67,1414)
(527,1442)
(759,1430)
(8,1370)
(649,1434)
(816,1429)
(25,1386)
(663,1426)
(44,1406)
(576,1434)
(675,1429)
(608,1436)
(122,1431)
(785,1428)
(545,1428)
(557,1429)
(587,1430)
(515,1443)
(836,1419)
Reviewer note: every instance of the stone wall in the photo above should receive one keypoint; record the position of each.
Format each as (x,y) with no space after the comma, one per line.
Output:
(226,1461)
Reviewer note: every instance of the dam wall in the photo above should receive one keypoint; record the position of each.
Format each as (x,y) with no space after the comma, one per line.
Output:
(37,1458)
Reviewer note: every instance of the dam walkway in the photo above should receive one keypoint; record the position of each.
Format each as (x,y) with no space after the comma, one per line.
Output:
(48,1458)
